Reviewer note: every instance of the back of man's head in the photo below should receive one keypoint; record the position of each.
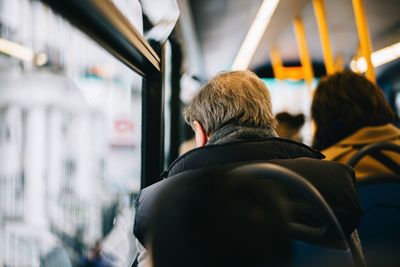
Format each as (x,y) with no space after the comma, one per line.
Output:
(237,97)
(215,220)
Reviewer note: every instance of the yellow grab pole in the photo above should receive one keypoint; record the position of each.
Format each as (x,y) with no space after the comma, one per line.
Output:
(339,63)
(276,62)
(320,15)
(363,36)
(304,55)
(358,52)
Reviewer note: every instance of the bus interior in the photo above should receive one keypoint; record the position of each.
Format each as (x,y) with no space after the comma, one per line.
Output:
(92,94)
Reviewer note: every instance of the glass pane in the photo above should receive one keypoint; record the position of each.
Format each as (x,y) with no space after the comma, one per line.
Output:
(293,97)
(70,137)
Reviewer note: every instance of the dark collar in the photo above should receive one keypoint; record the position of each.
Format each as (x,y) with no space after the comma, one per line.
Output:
(231,133)
(241,151)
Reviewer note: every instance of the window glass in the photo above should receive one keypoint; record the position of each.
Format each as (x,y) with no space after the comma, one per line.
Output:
(294,97)
(70,136)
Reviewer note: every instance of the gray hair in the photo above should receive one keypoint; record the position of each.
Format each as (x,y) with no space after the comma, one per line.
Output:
(237,97)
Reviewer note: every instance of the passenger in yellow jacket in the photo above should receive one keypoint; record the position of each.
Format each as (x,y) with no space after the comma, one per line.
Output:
(351,112)
(345,149)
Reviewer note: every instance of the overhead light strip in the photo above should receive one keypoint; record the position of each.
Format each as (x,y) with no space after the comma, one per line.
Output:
(378,58)
(254,35)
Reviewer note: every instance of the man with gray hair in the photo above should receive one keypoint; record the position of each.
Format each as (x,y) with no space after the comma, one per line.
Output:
(233,124)
(232,105)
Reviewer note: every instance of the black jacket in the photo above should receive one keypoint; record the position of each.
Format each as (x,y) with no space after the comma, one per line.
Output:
(335,181)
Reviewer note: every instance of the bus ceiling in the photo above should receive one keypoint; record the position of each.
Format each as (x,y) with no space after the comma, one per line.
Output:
(335,31)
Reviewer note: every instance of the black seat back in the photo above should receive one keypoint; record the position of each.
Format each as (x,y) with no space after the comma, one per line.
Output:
(327,232)
(315,244)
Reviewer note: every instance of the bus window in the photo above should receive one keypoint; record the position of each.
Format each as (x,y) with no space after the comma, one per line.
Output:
(70,141)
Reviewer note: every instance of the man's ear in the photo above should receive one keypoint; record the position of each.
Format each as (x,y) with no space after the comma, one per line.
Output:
(201,135)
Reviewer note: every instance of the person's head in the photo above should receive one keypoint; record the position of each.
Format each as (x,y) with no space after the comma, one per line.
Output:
(239,98)
(289,125)
(344,103)
(210,219)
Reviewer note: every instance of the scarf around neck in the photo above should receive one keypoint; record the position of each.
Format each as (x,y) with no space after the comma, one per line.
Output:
(232,133)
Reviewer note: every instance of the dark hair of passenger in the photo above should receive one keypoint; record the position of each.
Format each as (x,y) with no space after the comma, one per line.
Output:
(293,121)
(215,220)
(344,103)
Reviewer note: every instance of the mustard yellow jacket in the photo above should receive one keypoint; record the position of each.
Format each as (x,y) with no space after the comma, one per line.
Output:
(346,148)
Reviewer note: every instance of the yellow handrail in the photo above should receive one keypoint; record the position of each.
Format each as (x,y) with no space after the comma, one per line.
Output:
(304,54)
(364,37)
(320,15)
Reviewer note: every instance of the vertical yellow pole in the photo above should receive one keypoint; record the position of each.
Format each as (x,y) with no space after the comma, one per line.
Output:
(359,52)
(363,36)
(304,55)
(320,15)
(276,63)
(339,63)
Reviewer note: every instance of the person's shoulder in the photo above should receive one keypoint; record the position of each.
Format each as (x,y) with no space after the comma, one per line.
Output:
(331,166)
(365,136)
(313,166)
(241,151)
(145,192)
(338,167)
(336,151)
(144,203)
(329,175)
